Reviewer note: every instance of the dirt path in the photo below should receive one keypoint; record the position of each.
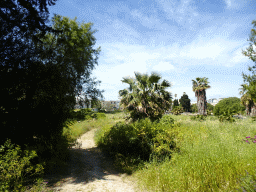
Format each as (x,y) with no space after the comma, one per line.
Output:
(90,170)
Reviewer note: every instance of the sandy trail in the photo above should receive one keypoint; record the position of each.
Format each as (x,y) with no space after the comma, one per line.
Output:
(90,170)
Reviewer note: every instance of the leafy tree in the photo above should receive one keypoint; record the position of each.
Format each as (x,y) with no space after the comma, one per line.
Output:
(177,110)
(199,87)
(228,106)
(49,66)
(108,106)
(194,108)
(20,70)
(91,94)
(248,89)
(185,102)
(145,97)
(175,103)
(210,107)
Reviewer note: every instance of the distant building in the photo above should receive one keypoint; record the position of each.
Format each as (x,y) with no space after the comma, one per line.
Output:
(212,101)
(116,104)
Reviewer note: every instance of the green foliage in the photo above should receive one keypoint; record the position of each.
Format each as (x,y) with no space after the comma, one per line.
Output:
(227,116)
(177,110)
(15,167)
(140,140)
(247,183)
(249,86)
(86,114)
(227,105)
(167,120)
(210,107)
(98,115)
(198,118)
(194,108)
(199,87)
(185,102)
(145,97)
(175,103)
(253,118)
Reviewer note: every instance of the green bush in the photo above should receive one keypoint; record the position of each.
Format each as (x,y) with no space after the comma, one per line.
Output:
(198,118)
(167,120)
(15,167)
(177,110)
(194,108)
(98,115)
(227,117)
(139,140)
(228,104)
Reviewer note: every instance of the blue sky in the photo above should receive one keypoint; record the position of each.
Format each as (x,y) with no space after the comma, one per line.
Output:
(179,39)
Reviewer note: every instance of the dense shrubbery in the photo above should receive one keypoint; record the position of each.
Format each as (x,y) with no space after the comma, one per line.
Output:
(194,108)
(16,168)
(177,110)
(228,105)
(198,117)
(227,117)
(140,140)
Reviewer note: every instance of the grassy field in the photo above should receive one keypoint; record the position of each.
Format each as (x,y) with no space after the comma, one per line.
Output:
(212,158)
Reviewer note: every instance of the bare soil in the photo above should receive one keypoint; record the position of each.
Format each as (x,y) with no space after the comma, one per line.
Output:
(89,170)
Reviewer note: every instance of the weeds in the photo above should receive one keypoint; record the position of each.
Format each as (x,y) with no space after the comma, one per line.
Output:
(15,167)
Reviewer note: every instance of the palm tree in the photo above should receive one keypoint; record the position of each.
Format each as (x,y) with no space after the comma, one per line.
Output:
(145,97)
(199,87)
(249,96)
(247,102)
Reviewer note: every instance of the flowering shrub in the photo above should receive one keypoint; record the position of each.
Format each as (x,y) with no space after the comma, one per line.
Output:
(253,140)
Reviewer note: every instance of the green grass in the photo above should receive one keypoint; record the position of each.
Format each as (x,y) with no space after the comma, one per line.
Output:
(75,130)
(212,155)
(212,158)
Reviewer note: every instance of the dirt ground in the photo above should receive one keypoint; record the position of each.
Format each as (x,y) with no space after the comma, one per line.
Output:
(90,170)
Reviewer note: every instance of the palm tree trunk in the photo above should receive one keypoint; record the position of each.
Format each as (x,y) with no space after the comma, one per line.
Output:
(253,110)
(247,110)
(201,103)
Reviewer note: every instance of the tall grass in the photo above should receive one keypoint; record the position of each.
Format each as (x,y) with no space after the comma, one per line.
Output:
(212,158)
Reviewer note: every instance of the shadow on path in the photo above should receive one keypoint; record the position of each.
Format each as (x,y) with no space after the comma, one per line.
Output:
(84,166)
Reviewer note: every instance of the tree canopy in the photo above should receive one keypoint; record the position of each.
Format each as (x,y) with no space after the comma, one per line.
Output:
(248,89)
(175,103)
(228,105)
(41,72)
(145,96)
(185,102)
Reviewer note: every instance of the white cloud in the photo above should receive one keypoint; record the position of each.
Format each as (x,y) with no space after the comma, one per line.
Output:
(163,66)
(228,2)
(180,11)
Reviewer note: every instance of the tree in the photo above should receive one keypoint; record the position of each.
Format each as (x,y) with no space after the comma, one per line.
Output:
(108,106)
(199,87)
(228,106)
(175,103)
(248,89)
(50,67)
(145,97)
(247,102)
(20,21)
(210,108)
(194,108)
(90,94)
(185,102)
